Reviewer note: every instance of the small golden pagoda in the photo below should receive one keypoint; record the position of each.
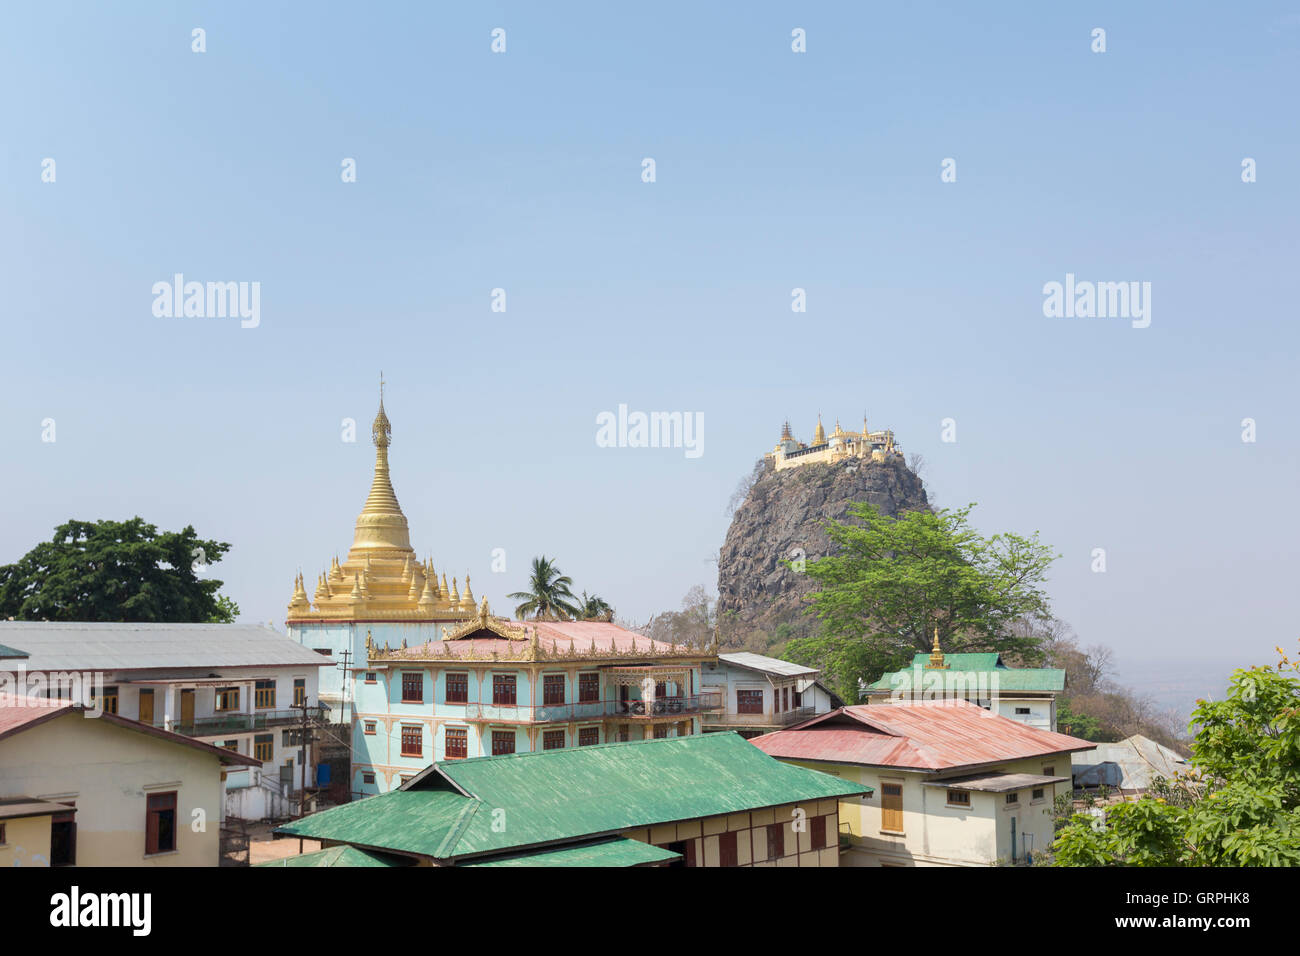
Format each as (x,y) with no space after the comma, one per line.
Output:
(381,580)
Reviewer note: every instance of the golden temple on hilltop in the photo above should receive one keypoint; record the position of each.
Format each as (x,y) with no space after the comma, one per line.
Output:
(381,580)
(840,446)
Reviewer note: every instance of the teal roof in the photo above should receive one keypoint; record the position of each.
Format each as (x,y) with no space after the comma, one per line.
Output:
(8,652)
(334,856)
(617,852)
(471,807)
(1009,678)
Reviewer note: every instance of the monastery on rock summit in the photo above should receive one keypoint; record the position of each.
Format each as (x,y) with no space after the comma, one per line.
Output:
(841,445)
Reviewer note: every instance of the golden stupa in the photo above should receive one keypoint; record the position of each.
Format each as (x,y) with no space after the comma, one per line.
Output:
(381,580)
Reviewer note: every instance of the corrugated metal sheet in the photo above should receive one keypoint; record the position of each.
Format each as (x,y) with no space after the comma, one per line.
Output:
(768,665)
(335,856)
(1041,679)
(617,852)
(557,795)
(59,646)
(996,782)
(552,637)
(923,735)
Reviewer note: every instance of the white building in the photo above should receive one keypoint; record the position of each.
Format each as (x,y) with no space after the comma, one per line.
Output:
(239,687)
(761,694)
(955,785)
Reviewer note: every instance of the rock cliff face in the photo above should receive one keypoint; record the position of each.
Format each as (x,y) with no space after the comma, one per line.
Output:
(760,601)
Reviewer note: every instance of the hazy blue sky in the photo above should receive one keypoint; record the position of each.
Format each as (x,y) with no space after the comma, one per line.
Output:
(775,170)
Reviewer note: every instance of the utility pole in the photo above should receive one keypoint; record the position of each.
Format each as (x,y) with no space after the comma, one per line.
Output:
(302,758)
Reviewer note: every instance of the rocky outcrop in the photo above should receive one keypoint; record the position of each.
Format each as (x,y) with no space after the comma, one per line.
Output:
(784,516)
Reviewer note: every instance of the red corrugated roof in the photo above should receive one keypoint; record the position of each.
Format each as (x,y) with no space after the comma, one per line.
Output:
(921,735)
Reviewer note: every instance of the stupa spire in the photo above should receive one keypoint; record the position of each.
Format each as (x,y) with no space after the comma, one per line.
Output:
(381,524)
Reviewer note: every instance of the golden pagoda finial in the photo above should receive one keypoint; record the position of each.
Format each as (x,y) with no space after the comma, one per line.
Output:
(819,436)
(785,431)
(381,526)
(468,599)
(455,592)
(936,655)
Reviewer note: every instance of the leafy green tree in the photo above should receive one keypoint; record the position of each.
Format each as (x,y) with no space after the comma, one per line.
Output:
(116,571)
(1241,809)
(893,579)
(1076,725)
(594,608)
(549,596)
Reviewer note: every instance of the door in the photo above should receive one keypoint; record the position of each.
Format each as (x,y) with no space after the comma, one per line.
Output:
(63,839)
(146,705)
(187,708)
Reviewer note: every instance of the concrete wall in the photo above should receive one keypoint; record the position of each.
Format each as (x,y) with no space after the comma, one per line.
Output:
(108,771)
(935,834)
(26,842)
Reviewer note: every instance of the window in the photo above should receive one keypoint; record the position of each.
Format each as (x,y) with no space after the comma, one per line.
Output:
(959,798)
(263,747)
(785,697)
(227,698)
(231,745)
(588,688)
(109,703)
(775,840)
(412,687)
(456,743)
(291,737)
(1049,771)
(661,690)
(624,733)
(1022,711)
(367,778)
(1036,793)
(458,688)
(503,741)
(727,852)
(503,691)
(661,731)
(553,740)
(299,691)
(891,807)
(368,727)
(552,688)
(776,700)
(160,826)
(798,699)
(1013,799)
(817,828)
(587,736)
(146,705)
(264,694)
(749,701)
(371,679)
(412,741)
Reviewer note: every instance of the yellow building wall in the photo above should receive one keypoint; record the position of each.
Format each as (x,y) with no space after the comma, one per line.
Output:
(108,771)
(751,835)
(26,843)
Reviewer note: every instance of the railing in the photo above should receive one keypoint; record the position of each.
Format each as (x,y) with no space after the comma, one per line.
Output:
(784,719)
(237,723)
(595,709)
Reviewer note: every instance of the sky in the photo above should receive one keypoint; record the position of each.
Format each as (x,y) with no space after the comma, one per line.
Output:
(774,170)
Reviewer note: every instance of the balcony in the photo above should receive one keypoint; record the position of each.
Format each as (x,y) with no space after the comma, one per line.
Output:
(786,718)
(243,723)
(663,707)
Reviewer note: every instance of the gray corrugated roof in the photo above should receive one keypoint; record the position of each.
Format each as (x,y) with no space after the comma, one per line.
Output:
(996,782)
(768,665)
(59,646)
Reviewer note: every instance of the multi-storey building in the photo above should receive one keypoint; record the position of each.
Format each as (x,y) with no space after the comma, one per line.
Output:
(235,686)
(494,686)
(761,694)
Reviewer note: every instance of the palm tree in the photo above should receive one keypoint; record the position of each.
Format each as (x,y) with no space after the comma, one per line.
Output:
(595,608)
(549,597)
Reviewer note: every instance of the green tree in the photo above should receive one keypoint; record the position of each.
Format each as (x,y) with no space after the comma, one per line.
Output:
(893,579)
(549,596)
(116,571)
(1241,809)
(1076,725)
(594,608)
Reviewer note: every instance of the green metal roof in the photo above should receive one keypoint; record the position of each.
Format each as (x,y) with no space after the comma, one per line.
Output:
(555,796)
(334,856)
(1009,678)
(617,852)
